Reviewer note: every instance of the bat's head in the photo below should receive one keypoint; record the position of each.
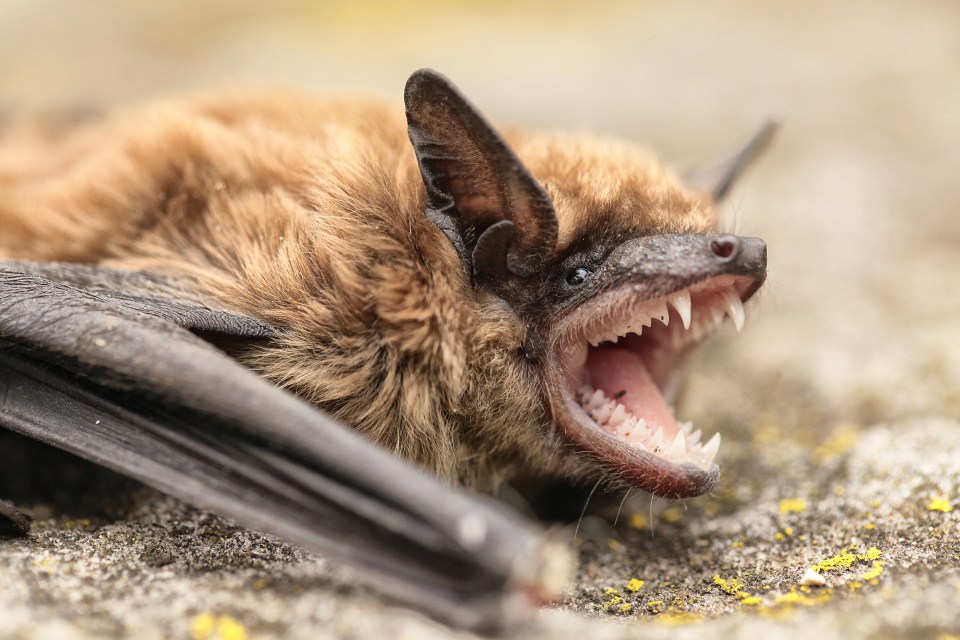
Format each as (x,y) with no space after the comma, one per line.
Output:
(610,264)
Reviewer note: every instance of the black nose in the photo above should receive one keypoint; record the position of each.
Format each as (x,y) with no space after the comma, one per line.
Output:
(726,248)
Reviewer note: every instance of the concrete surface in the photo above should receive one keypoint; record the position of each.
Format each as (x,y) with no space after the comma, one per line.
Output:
(839,404)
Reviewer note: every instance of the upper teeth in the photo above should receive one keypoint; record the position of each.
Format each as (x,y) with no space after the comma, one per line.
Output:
(681,302)
(616,420)
(723,303)
(734,308)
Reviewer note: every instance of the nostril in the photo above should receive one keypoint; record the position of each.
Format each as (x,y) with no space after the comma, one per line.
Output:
(725,247)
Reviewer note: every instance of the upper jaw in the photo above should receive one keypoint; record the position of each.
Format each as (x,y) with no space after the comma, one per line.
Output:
(657,297)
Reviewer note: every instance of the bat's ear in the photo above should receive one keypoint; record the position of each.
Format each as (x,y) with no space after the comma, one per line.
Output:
(719,178)
(496,214)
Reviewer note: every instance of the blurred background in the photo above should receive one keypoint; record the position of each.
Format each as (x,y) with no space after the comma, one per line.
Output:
(858,199)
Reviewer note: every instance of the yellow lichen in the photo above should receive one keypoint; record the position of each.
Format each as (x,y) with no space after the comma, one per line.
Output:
(610,591)
(874,572)
(624,608)
(634,585)
(613,544)
(639,521)
(792,505)
(731,587)
(207,626)
(872,554)
(672,515)
(807,598)
(940,503)
(869,526)
(231,629)
(203,626)
(750,600)
(846,560)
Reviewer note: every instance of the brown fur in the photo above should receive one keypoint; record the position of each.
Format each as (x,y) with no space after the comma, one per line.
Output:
(310,215)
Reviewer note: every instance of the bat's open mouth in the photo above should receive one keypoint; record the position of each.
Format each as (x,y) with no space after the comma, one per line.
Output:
(617,361)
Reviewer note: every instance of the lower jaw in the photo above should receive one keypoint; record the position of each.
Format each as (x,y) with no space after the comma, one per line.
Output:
(619,462)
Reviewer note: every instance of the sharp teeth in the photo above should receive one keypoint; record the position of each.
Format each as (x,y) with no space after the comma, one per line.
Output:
(657,440)
(695,437)
(618,416)
(596,400)
(710,449)
(681,302)
(662,313)
(735,309)
(678,448)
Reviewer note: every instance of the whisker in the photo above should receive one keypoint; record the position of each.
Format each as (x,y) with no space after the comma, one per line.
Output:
(584,511)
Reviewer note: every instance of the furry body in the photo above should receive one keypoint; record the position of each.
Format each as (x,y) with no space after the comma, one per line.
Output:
(309,215)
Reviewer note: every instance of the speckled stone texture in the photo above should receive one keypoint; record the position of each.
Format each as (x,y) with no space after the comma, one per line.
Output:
(839,404)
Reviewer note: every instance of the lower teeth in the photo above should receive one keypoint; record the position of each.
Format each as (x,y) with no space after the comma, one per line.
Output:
(614,419)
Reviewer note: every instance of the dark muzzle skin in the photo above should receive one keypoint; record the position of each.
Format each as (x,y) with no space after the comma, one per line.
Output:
(641,269)
(661,264)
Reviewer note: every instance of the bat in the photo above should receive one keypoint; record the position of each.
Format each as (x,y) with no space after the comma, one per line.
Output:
(338,327)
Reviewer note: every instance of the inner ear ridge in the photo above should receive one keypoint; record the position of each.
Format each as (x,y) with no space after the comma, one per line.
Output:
(490,259)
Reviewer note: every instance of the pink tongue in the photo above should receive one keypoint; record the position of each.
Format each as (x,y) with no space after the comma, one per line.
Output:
(614,370)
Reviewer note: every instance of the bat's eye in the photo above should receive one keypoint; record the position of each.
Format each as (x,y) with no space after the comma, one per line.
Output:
(577,277)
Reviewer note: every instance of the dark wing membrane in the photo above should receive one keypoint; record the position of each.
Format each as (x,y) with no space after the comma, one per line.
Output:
(134,392)
(176,300)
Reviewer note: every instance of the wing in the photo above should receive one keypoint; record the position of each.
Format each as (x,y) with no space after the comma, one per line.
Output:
(104,364)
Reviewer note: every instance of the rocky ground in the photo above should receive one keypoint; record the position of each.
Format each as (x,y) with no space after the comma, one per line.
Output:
(839,404)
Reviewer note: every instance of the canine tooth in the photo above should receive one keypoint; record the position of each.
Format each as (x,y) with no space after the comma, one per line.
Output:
(735,309)
(678,448)
(681,302)
(695,437)
(710,449)
(686,427)
(596,399)
(657,440)
(618,416)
